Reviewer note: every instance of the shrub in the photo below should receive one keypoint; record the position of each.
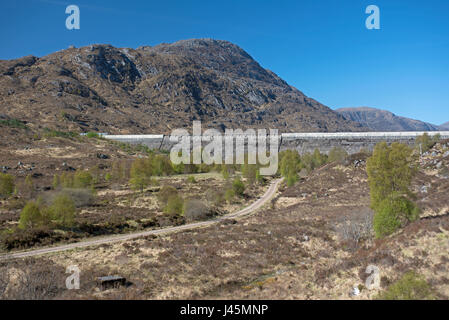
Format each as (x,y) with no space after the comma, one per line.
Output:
(391,213)
(337,154)
(289,163)
(426,142)
(389,170)
(13,123)
(175,205)
(410,286)
(31,216)
(313,161)
(118,171)
(225,171)
(191,179)
(82,179)
(291,179)
(229,195)
(165,193)
(66,180)
(238,187)
(92,135)
(141,171)
(196,210)
(162,165)
(56,182)
(49,133)
(7,185)
(250,171)
(357,226)
(80,197)
(63,210)
(215,197)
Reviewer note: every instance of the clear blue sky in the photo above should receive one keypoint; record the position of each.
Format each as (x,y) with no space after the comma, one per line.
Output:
(319,46)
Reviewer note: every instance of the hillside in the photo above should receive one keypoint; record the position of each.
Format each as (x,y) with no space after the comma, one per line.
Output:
(382,120)
(155,89)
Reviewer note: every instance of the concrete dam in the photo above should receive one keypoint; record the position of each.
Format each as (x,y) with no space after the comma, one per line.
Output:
(352,142)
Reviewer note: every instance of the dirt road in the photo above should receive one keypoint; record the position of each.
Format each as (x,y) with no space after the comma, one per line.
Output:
(123,237)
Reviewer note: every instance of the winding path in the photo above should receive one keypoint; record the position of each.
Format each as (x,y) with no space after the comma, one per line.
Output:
(123,237)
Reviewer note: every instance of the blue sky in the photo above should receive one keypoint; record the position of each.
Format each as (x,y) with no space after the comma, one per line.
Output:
(322,47)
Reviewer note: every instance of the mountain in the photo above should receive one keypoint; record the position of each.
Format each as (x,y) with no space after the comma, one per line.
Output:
(444,126)
(156,89)
(382,120)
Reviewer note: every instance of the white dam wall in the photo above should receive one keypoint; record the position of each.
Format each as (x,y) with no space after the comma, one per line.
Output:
(352,142)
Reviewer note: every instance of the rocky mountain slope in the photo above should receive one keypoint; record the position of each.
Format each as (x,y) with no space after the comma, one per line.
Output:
(382,120)
(156,89)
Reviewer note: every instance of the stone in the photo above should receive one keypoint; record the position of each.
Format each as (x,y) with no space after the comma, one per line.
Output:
(355,291)
(102,156)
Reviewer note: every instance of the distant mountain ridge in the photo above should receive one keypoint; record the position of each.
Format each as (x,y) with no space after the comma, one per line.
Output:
(444,126)
(157,89)
(383,120)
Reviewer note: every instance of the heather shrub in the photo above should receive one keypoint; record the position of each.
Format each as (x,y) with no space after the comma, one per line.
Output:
(196,210)
(32,217)
(238,187)
(6,185)
(411,286)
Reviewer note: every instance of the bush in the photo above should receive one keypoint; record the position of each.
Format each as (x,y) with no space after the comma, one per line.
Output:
(291,179)
(82,179)
(411,286)
(250,172)
(13,123)
(238,187)
(141,171)
(356,226)
(32,217)
(162,165)
(337,155)
(196,210)
(426,142)
(49,133)
(191,179)
(92,135)
(390,172)
(63,210)
(393,212)
(6,185)
(312,161)
(165,193)
(80,197)
(289,163)
(215,197)
(225,172)
(175,205)
(56,182)
(229,195)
